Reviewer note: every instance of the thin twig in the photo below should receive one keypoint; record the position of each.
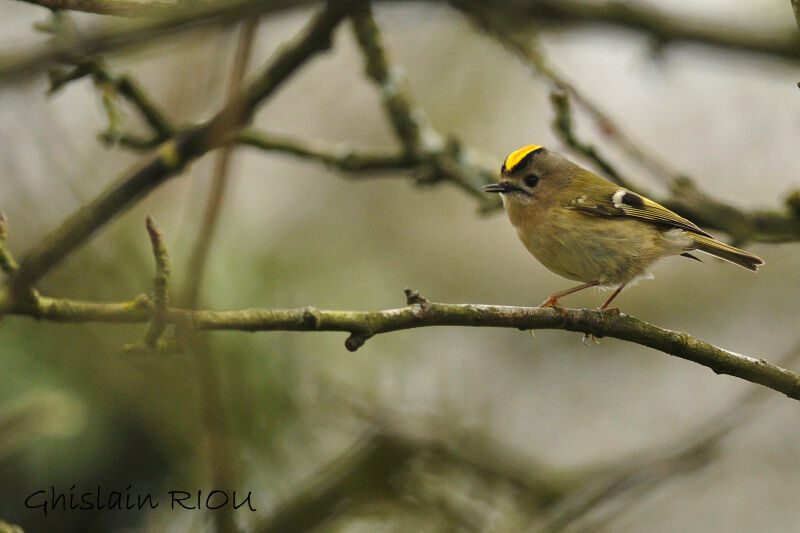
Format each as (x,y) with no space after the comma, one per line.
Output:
(222,449)
(343,158)
(156,117)
(208,225)
(111,87)
(123,85)
(160,282)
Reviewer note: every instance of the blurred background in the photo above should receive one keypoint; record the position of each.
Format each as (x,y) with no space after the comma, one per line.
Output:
(436,429)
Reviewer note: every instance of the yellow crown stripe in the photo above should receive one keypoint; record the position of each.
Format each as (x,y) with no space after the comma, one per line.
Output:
(515,157)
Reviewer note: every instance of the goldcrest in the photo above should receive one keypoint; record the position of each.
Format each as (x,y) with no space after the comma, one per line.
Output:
(588,229)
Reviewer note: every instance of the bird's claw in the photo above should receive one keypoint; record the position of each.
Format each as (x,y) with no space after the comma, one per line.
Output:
(552,302)
(589,339)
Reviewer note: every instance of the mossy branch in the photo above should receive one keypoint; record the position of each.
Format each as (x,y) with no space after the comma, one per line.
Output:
(125,34)
(407,120)
(362,325)
(448,160)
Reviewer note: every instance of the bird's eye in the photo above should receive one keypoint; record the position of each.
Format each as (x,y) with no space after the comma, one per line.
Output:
(531,180)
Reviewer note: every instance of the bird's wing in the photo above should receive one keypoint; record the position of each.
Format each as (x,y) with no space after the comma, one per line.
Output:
(624,203)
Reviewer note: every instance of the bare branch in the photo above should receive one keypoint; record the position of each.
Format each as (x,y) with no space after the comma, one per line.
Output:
(562,123)
(438,158)
(763,225)
(408,122)
(343,157)
(175,154)
(111,87)
(526,47)
(135,94)
(121,35)
(687,200)
(366,324)
(663,28)
(160,298)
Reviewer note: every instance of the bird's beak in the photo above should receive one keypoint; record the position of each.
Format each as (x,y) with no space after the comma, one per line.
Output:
(495,187)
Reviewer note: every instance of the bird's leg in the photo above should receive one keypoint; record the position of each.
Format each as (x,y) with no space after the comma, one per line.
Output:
(552,301)
(604,308)
(613,310)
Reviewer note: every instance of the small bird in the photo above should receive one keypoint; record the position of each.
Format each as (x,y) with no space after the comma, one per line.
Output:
(588,229)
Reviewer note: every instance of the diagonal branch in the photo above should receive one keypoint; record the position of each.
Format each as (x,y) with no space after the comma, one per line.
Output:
(687,200)
(527,48)
(176,153)
(127,87)
(437,158)
(562,124)
(407,121)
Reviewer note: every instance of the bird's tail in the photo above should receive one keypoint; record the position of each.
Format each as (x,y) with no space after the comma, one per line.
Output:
(727,252)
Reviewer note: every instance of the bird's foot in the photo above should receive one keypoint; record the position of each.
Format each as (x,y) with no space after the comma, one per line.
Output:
(552,302)
(589,339)
(612,310)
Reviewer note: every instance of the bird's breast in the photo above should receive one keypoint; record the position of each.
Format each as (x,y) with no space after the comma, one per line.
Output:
(587,248)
